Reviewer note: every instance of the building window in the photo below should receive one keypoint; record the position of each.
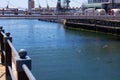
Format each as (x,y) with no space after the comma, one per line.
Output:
(105,1)
(90,1)
(97,1)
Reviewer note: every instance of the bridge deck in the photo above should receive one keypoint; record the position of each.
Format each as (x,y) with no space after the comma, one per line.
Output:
(2,71)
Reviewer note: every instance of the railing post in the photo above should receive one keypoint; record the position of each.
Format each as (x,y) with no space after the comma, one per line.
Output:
(22,59)
(1,45)
(8,55)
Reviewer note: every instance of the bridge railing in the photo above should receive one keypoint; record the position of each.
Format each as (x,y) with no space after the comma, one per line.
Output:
(14,60)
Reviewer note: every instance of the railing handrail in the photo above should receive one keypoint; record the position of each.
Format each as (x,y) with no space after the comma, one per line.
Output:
(15,53)
(11,73)
(28,72)
(3,34)
(20,59)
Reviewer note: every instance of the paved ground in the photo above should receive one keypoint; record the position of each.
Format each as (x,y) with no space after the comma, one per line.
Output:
(2,71)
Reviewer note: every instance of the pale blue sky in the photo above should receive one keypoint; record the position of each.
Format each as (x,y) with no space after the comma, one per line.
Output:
(24,3)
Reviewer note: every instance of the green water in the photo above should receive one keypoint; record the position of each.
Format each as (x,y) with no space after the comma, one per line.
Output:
(63,54)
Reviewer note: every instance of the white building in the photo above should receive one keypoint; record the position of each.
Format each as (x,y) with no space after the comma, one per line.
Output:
(102,4)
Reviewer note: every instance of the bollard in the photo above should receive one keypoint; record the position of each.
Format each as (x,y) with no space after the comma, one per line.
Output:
(8,55)
(2,45)
(1,29)
(22,59)
(22,53)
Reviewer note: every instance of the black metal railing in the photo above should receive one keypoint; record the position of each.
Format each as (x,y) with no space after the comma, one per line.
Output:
(14,60)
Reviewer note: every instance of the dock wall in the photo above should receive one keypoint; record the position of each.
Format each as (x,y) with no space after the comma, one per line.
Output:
(102,25)
(52,20)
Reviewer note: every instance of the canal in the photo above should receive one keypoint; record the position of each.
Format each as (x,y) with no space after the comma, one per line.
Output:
(65,54)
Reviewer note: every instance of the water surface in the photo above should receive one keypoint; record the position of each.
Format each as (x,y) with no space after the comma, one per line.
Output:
(63,54)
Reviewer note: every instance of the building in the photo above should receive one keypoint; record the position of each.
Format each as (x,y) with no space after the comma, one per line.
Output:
(116,4)
(102,4)
(31,4)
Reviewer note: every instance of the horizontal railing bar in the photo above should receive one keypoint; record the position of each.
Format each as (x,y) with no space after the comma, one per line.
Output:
(11,73)
(4,53)
(28,72)
(13,48)
(3,34)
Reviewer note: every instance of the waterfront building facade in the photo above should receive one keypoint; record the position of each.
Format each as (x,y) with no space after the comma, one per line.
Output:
(102,4)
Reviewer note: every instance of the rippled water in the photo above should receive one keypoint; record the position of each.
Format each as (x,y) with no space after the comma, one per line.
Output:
(63,54)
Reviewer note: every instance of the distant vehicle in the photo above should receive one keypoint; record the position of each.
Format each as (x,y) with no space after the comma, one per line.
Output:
(100,12)
(115,12)
(89,11)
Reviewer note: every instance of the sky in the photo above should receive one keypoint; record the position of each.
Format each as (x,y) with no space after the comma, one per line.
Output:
(24,3)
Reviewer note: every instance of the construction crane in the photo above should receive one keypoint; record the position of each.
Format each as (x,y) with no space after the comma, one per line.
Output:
(59,5)
(63,5)
(7,4)
(66,4)
(39,4)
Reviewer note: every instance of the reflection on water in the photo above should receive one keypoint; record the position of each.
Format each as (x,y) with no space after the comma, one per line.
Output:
(62,54)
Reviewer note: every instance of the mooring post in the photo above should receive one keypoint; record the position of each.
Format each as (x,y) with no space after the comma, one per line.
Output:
(20,61)
(1,45)
(8,54)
